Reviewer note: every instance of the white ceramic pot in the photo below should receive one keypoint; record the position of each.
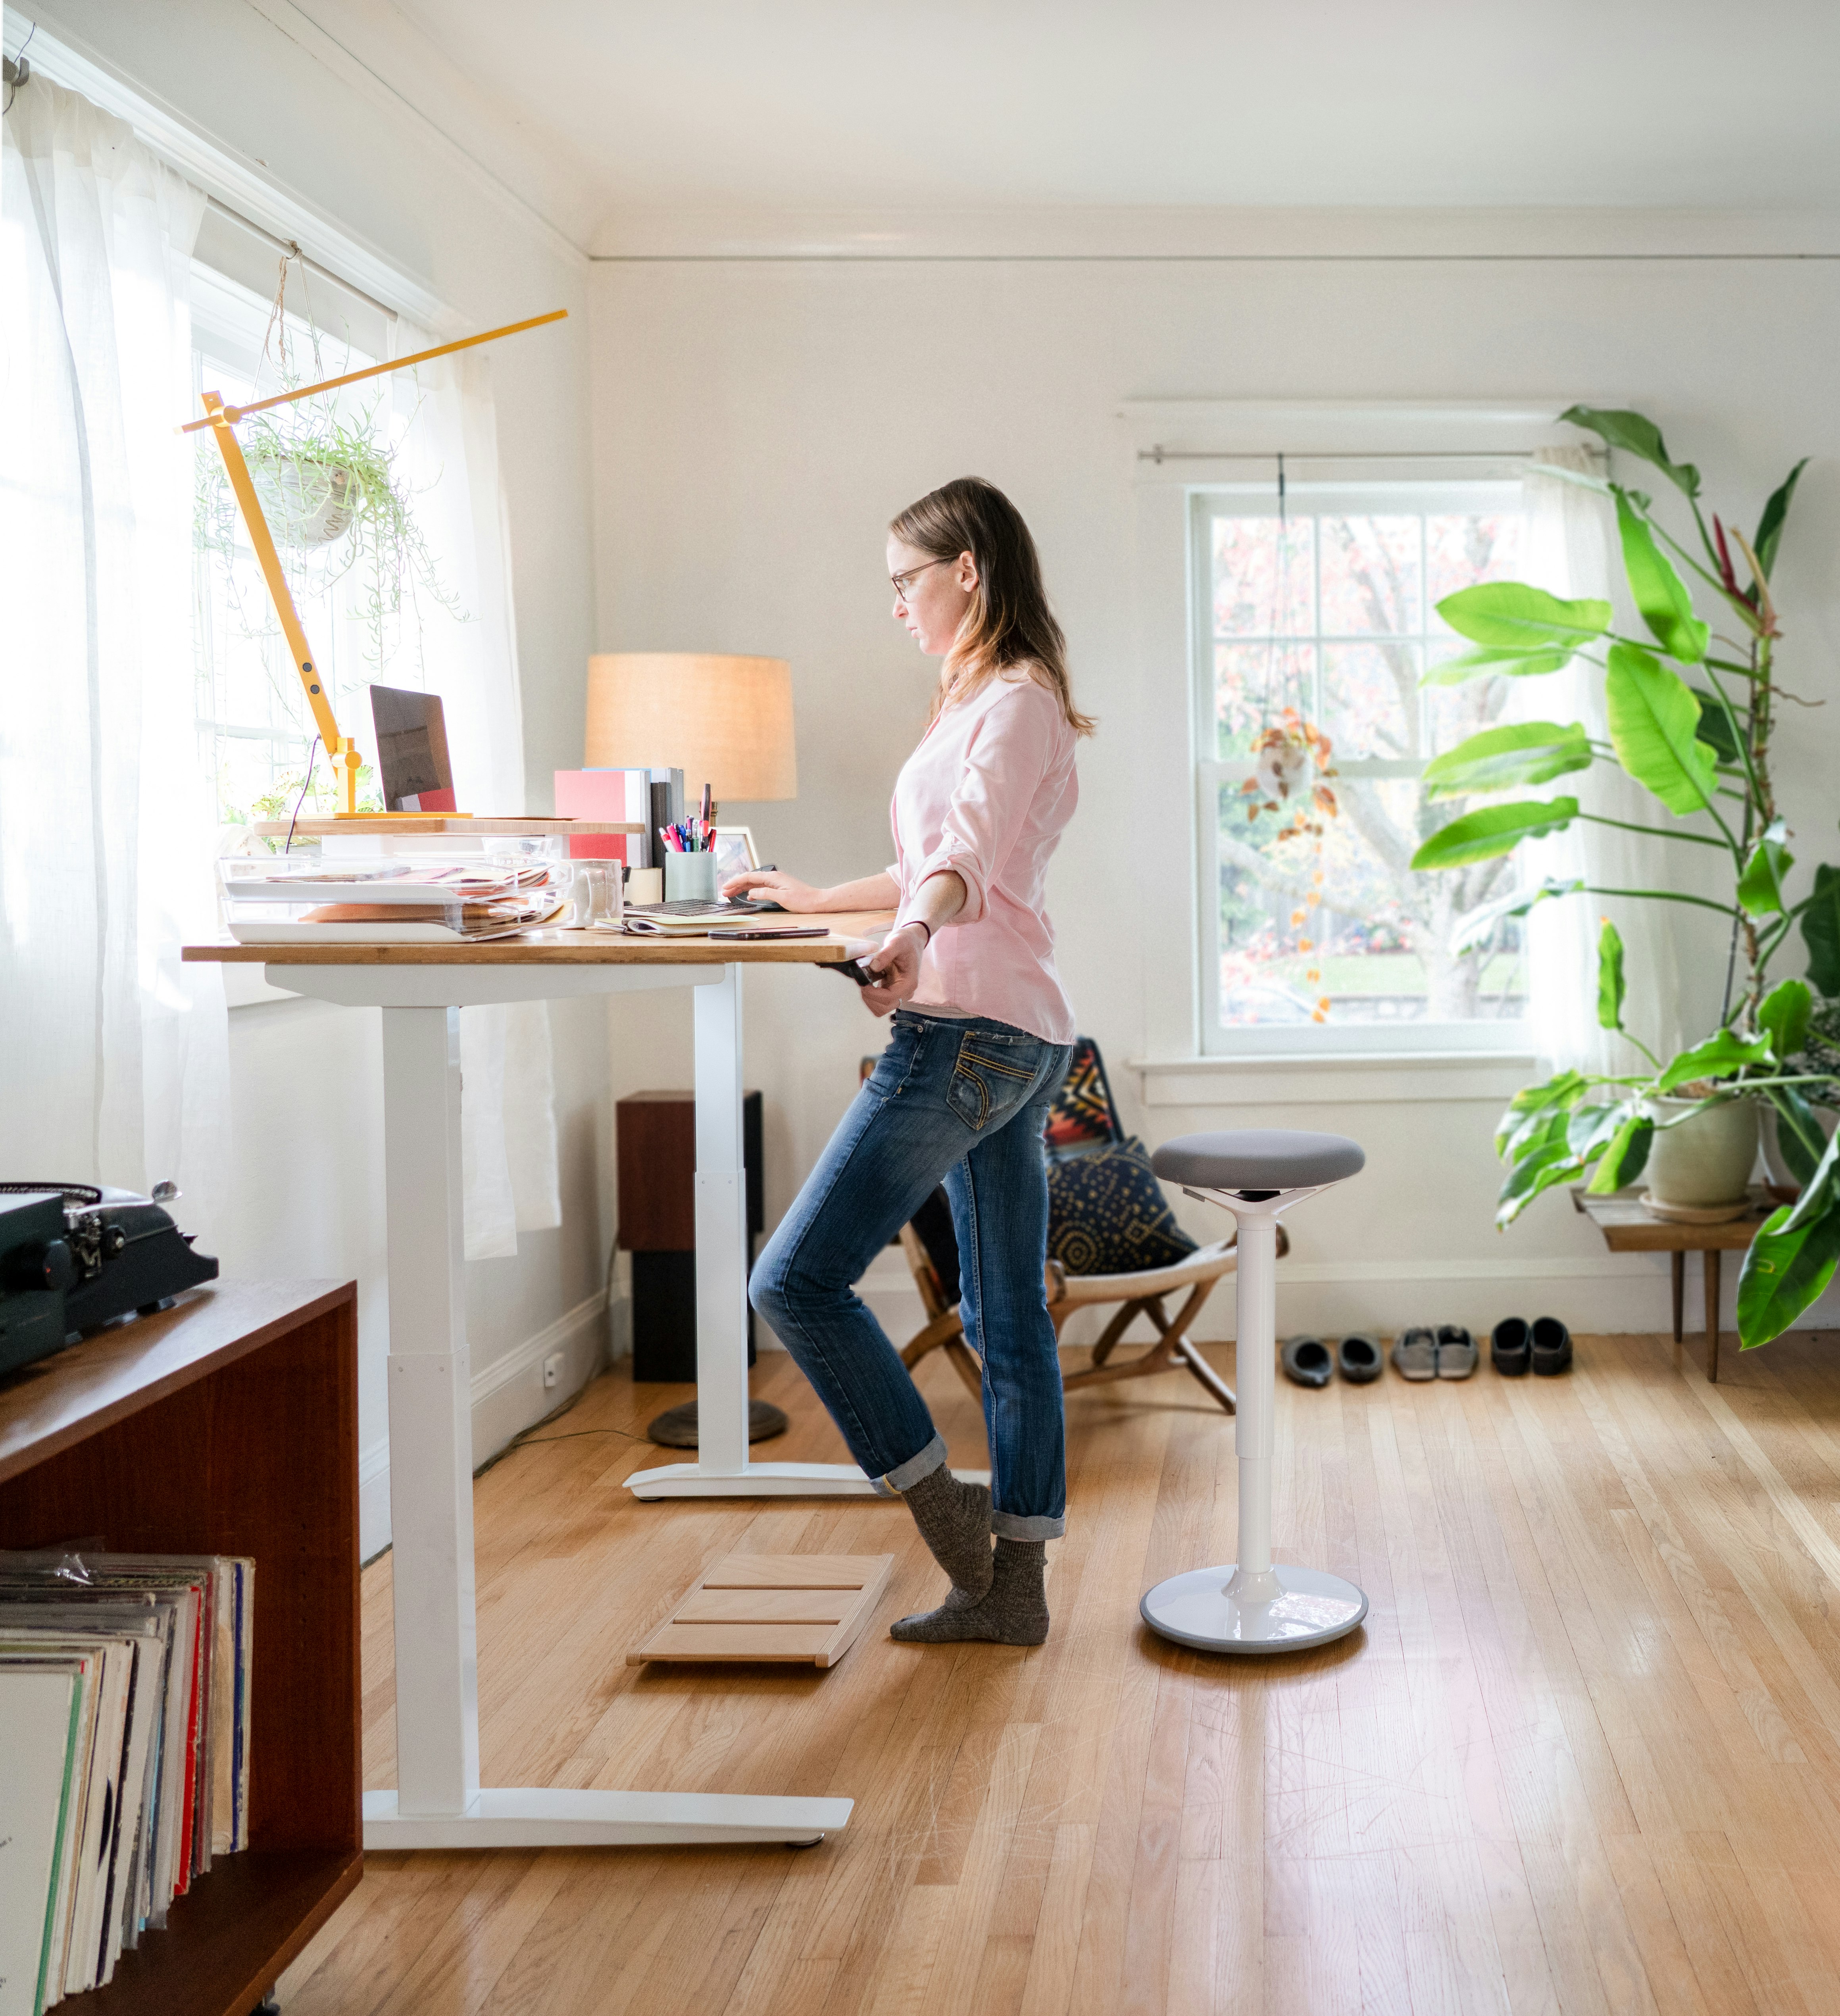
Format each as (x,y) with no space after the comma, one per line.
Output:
(1775,1164)
(1706,1160)
(303,500)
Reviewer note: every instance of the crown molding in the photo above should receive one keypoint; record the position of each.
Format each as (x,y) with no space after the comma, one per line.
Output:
(1121,233)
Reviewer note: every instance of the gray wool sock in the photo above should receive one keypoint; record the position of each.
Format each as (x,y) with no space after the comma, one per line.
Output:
(1015,1612)
(954,1520)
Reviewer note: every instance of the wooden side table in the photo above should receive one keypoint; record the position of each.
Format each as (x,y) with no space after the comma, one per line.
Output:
(1627,1227)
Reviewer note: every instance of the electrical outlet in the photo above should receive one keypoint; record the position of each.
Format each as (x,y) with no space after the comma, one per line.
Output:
(553,1368)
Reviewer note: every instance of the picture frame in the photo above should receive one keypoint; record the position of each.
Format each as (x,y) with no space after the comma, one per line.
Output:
(735,853)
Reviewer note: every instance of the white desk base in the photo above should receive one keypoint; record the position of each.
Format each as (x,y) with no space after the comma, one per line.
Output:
(439,1803)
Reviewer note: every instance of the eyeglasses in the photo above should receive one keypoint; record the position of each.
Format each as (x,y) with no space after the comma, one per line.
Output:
(903,582)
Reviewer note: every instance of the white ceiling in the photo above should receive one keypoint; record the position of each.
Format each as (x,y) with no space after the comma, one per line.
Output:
(824,104)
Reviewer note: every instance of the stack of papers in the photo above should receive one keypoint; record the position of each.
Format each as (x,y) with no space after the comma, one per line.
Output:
(393,901)
(124,1697)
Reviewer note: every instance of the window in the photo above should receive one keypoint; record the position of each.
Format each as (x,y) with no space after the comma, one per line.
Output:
(1313,623)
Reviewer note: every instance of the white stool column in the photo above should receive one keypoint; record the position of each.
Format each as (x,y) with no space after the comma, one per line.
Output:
(1253,1605)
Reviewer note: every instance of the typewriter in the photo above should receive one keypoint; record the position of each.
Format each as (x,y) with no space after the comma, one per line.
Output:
(73,1256)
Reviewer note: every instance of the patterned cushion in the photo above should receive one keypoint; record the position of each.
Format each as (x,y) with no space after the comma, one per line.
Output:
(1082,1115)
(1108,1214)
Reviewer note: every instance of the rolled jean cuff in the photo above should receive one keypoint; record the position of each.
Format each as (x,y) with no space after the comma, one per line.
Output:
(1014,1526)
(908,1474)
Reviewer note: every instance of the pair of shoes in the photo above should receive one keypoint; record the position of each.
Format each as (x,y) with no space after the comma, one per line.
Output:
(1544,1344)
(1447,1352)
(1307,1361)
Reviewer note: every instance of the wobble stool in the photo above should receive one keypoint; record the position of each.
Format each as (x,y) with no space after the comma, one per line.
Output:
(1252,1605)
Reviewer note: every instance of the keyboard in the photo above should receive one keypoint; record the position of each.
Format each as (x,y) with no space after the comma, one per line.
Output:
(697,906)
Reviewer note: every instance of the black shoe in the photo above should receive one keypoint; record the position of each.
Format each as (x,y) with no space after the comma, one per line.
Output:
(1358,1359)
(1511,1347)
(1306,1361)
(1552,1347)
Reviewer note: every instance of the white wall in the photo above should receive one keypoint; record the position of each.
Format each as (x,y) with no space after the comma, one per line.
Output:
(305,1078)
(757,421)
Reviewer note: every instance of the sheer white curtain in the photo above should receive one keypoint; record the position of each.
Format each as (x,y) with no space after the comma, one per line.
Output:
(115,1058)
(450,460)
(1572,551)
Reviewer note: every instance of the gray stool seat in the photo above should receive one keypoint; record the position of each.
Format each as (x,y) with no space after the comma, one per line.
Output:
(1267,1158)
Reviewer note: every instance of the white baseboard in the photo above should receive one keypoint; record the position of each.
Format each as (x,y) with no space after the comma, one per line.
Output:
(508,1395)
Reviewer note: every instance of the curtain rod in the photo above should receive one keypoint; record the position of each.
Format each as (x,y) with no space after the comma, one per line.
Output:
(293,250)
(1333,455)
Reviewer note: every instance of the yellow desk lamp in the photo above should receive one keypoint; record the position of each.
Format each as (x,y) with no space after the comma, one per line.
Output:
(222,421)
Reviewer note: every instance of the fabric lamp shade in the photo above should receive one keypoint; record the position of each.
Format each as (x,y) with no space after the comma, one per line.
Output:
(724,721)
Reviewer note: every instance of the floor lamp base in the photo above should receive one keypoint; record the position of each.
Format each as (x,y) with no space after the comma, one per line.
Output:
(1310,1608)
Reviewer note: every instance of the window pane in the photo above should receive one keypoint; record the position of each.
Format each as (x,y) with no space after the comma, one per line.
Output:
(1337,930)
(1370,701)
(1263,585)
(1253,684)
(1370,576)
(1464,548)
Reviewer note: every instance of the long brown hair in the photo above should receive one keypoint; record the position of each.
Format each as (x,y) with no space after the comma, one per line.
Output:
(1009,622)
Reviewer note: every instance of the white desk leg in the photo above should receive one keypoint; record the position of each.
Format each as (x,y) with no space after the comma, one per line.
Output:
(430,1416)
(439,1803)
(721,1469)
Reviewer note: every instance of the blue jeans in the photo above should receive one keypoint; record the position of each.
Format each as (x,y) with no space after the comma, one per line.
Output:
(962,1103)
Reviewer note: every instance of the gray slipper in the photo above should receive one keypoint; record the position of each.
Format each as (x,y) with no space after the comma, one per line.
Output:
(1306,1361)
(1456,1352)
(1415,1353)
(1358,1359)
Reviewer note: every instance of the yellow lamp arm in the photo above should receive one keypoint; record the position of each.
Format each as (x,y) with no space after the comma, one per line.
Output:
(341,749)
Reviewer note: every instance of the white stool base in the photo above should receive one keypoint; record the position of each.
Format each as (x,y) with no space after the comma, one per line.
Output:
(1311,1608)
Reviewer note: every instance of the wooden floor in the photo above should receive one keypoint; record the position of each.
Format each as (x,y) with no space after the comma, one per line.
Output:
(1583,1755)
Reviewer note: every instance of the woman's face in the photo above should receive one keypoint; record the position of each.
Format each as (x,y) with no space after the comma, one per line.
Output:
(930,595)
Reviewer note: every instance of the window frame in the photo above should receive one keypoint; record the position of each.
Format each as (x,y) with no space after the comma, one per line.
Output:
(1380,480)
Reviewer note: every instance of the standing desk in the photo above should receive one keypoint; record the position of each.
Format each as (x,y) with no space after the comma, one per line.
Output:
(421,988)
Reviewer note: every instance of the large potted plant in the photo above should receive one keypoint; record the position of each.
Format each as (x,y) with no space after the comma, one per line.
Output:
(1702,750)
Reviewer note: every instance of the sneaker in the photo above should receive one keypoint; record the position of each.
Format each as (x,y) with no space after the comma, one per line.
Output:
(1552,1347)
(1511,1347)
(1415,1353)
(1457,1356)
(1306,1361)
(1358,1359)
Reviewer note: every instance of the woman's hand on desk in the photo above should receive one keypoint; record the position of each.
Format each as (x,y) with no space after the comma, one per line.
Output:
(786,891)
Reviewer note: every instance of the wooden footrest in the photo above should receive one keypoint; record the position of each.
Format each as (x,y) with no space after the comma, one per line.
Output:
(790,1609)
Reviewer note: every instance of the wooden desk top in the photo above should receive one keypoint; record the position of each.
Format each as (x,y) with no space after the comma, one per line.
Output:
(1629,1227)
(847,931)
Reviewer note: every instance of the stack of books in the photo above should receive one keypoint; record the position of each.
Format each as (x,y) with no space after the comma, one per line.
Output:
(124,1696)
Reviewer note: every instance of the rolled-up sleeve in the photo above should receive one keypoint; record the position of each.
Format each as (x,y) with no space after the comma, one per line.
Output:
(1002,767)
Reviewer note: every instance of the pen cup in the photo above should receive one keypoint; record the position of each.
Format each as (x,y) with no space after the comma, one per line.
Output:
(690,877)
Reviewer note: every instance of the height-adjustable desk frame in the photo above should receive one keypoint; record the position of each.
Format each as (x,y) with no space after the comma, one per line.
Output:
(421,988)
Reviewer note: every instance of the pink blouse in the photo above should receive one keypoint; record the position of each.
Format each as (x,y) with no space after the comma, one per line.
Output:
(986,793)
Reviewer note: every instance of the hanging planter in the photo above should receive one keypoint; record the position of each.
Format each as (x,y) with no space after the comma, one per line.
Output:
(308,500)
(1291,769)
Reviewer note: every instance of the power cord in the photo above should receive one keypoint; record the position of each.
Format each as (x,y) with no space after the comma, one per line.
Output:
(305,781)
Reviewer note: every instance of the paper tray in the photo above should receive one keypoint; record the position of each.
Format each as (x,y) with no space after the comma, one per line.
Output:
(268,931)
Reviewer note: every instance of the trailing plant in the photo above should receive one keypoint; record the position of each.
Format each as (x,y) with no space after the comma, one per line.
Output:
(328,488)
(1703,750)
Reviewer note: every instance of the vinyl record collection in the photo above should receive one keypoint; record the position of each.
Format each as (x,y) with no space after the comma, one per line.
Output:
(124,1695)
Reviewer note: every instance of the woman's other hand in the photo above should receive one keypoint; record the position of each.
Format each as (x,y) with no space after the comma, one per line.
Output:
(895,967)
(786,891)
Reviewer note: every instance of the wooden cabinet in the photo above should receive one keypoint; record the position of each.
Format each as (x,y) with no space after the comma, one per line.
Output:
(228,1424)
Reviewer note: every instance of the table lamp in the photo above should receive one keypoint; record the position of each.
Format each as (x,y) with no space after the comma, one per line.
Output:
(725,721)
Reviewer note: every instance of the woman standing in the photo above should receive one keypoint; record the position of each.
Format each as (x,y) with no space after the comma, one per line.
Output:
(982,1037)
